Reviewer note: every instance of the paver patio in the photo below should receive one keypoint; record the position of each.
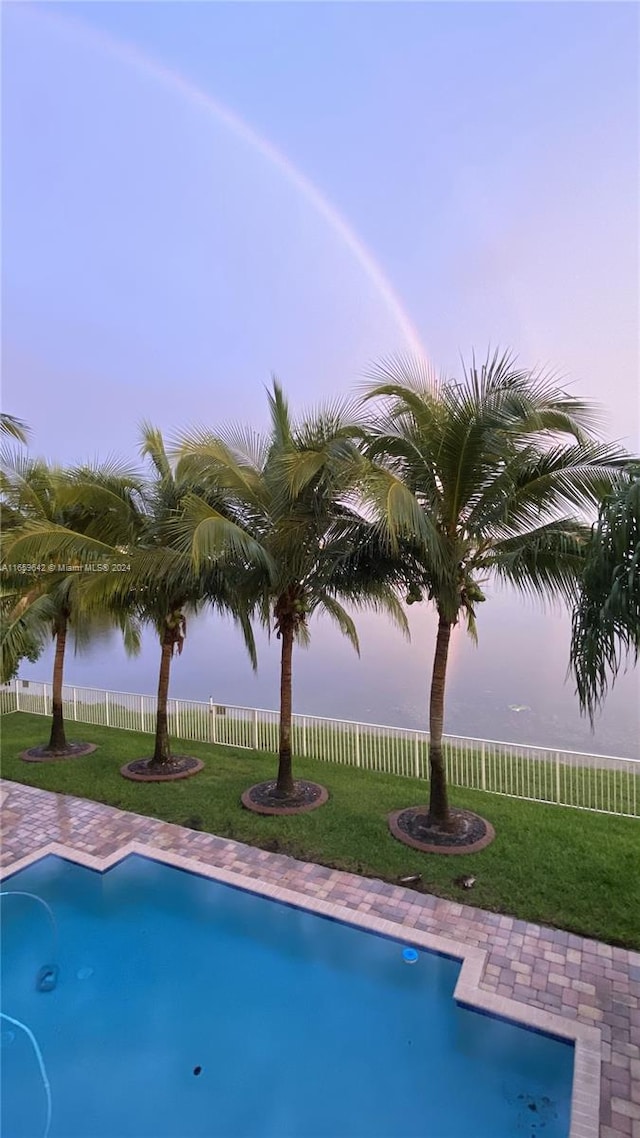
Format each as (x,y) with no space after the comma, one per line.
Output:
(581,980)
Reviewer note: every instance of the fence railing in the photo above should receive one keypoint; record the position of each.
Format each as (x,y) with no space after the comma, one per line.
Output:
(566,778)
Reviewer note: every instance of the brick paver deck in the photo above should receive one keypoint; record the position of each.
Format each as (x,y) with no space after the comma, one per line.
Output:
(584,981)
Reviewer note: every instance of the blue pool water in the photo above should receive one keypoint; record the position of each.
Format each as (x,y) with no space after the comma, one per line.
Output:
(302,1027)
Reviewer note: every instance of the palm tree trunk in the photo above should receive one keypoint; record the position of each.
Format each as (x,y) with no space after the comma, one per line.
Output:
(58,740)
(284,786)
(162,749)
(438,802)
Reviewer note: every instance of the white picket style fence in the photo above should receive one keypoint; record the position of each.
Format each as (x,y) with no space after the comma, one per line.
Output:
(566,778)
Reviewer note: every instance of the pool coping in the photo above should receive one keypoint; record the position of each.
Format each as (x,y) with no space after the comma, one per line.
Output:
(587,1040)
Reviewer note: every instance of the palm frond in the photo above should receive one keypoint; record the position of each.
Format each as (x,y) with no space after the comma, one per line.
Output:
(281,427)
(544,562)
(398,513)
(44,543)
(14,427)
(299,468)
(606,619)
(341,617)
(25,628)
(246,446)
(152,447)
(399,375)
(210,460)
(244,624)
(211,537)
(27,483)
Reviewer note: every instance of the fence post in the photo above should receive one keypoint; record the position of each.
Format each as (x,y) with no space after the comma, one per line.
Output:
(106,708)
(142,713)
(17,695)
(44,698)
(417,755)
(558,777)
(75,705)
(255,729)
(357,741)
(304,735)
(212,717)
(483,771)
(177,724)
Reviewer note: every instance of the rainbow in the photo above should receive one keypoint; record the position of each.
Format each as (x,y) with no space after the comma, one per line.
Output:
(174,81)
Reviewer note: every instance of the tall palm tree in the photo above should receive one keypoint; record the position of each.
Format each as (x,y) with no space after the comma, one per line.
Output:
(161,587)
(606,619)
(51,516)
(297,492)
(501,465)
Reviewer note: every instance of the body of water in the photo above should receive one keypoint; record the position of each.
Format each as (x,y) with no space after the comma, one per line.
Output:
(513,686)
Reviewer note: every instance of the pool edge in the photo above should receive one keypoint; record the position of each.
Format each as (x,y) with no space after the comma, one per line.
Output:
(587,1040)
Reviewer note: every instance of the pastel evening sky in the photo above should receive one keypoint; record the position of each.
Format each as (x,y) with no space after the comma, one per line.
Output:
(478,162)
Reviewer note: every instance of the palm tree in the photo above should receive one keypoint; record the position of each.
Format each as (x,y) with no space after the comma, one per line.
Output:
(500,464)
(51,516)
(161,587)
(606,620)
(296,491)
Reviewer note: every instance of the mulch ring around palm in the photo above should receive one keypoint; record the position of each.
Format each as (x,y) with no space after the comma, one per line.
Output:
(412,827)
(261,798)
(178,766)
(44,753)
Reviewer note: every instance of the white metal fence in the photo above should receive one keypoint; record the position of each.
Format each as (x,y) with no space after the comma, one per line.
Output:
(567,778)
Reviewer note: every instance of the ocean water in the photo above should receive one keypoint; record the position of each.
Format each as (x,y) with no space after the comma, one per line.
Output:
(512,687)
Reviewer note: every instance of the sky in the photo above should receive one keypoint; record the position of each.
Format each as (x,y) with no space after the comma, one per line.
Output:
(486,154)
(196,196)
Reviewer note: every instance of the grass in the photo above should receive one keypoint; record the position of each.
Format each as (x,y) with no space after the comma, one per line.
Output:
(553,865)
(499,769)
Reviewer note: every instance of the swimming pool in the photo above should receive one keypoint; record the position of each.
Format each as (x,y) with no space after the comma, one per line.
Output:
(186,1008)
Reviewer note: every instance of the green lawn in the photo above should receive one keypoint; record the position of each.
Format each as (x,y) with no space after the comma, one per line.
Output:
(496,768)
(553,865)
